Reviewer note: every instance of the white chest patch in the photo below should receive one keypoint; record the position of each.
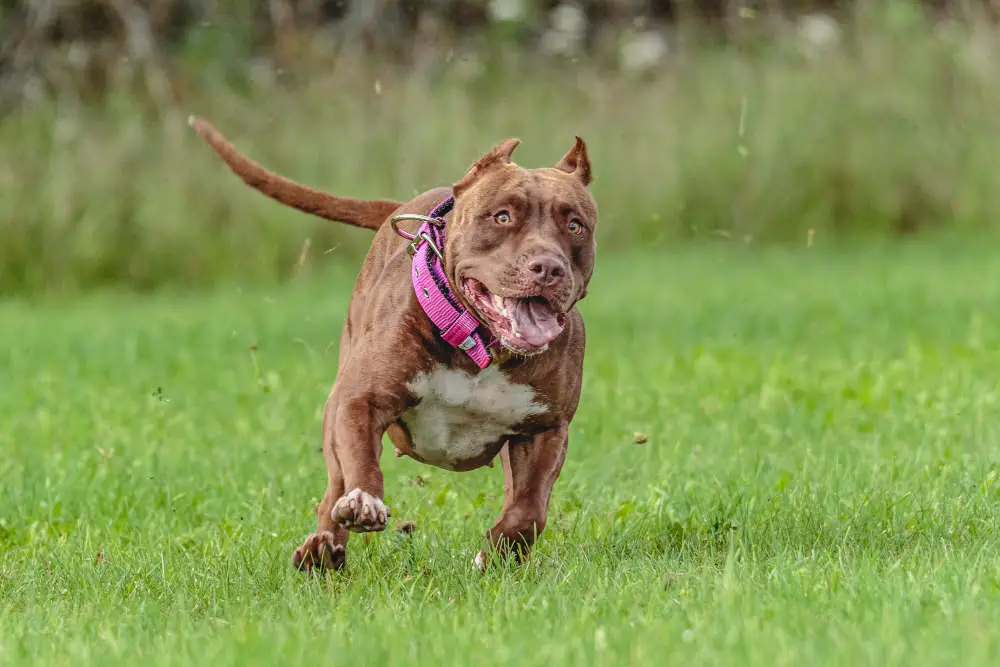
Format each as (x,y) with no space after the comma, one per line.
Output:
(460,415)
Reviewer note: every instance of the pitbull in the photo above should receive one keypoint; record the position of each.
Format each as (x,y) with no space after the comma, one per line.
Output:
(462,340)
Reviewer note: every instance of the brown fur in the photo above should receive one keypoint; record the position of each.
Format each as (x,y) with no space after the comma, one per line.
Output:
(387,338)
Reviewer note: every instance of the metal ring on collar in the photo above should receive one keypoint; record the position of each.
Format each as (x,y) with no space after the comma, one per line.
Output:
(394,221)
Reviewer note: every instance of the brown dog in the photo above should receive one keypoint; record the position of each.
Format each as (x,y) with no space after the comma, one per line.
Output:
(462,339)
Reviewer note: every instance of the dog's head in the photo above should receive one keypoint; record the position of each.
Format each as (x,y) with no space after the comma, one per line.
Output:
(520,245)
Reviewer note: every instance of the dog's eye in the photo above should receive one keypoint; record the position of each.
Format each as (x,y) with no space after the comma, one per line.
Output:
(575,227)
(502,218)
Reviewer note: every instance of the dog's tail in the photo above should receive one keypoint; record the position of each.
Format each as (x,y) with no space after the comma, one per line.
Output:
(369,214)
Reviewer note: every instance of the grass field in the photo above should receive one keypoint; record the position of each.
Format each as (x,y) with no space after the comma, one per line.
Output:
(819,487)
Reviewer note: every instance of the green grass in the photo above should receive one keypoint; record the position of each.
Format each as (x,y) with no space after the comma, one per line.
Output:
(894,131)
(820,484)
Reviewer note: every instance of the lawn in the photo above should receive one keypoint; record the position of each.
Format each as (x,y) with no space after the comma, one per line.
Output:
(819,485)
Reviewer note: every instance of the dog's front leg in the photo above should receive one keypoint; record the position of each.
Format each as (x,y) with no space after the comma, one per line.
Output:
(530,470)
(359,423)
(352,446)
(327,547)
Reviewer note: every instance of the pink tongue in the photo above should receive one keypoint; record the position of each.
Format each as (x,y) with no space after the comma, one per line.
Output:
(536,323)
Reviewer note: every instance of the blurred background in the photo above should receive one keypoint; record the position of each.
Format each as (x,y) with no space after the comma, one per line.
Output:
(724,121)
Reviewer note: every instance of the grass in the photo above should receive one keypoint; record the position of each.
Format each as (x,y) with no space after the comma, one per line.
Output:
(819,487)
(893,131)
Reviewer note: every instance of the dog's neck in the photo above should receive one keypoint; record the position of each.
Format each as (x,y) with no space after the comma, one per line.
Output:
(454,322)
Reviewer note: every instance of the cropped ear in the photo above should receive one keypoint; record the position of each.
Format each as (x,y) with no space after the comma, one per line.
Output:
(497,157)
(576,162)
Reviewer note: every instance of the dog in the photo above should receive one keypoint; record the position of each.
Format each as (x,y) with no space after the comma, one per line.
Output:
(462,341)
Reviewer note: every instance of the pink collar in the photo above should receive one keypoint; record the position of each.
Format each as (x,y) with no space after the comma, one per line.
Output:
(456,325)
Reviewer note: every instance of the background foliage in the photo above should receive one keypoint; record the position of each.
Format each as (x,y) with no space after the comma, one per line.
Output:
(753,122)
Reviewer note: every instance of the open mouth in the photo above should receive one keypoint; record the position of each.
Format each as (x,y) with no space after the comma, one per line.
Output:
(526,324)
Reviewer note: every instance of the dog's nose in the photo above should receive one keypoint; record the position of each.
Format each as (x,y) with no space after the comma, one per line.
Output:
(546,271)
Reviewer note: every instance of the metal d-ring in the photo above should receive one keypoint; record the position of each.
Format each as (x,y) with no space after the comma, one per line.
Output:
(394,221)
(415,239)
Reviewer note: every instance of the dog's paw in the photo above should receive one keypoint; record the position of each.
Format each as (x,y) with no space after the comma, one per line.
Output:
(361,512)
(321,552)
(479,562)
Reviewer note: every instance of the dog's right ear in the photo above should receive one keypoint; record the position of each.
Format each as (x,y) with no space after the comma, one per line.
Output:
(497,157)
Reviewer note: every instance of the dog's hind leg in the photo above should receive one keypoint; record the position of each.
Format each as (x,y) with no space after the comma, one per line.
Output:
(327,547)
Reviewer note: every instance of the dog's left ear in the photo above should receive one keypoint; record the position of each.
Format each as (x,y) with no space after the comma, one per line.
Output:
(497,157)
(576,162)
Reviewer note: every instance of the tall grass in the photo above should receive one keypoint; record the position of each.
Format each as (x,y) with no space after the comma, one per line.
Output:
(894,131)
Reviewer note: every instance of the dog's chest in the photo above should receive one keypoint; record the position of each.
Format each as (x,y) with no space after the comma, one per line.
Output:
(460,416)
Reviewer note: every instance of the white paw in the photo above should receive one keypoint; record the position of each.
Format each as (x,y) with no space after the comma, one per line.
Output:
(479,562)
(360,512)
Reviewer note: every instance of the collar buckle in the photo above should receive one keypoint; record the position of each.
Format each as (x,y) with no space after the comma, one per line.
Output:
(420,239)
